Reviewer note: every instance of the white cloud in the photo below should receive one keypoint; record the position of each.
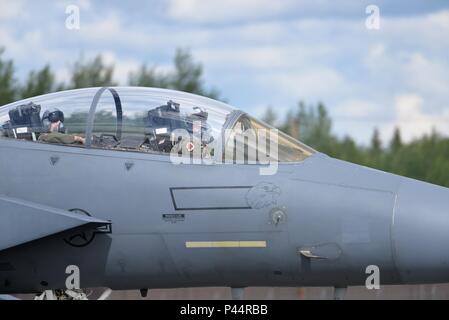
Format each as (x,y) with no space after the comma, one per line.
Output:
(424,75)
(218,11)
(260,58)
(122,67)
(357,109)
(225,11)
(10,9)
(413,121)
(315,83)
(440,19)
(109,29)
(82,4)
(427,32)
(62,74)
(30,42)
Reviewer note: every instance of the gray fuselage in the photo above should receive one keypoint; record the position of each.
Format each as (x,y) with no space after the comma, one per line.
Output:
(222,224)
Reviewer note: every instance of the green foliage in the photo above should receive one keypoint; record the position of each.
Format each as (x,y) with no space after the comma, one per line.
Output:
(396,141)
(424,159)
(270,116)
(376,143)
(187,76)
(92,73)
(8,89)
(312,126)
(38,83)
(148,77)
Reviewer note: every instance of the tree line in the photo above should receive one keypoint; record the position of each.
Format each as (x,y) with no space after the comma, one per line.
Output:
(425,158)
(187,75)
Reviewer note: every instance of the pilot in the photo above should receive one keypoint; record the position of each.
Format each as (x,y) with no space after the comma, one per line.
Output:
(200,139)
(53,123)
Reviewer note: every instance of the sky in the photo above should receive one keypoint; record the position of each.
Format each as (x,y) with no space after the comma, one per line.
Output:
(262,52)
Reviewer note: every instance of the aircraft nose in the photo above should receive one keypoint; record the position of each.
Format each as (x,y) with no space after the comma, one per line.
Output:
(420,232)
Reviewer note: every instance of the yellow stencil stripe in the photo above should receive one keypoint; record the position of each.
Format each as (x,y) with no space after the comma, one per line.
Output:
(226,244)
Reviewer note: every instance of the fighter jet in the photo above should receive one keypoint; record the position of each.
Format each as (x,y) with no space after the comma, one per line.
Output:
(142,188)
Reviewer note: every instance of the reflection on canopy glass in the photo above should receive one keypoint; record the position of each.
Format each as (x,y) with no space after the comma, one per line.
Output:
(143,120)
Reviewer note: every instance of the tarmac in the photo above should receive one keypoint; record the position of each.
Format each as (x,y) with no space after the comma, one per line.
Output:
(411,292)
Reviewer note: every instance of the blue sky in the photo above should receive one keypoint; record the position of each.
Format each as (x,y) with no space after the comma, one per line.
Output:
(262,52)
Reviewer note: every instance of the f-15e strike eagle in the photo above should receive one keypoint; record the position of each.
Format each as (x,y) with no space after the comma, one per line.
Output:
(137,188)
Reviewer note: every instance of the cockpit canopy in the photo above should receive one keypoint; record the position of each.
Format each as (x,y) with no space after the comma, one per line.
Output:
(147,120)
